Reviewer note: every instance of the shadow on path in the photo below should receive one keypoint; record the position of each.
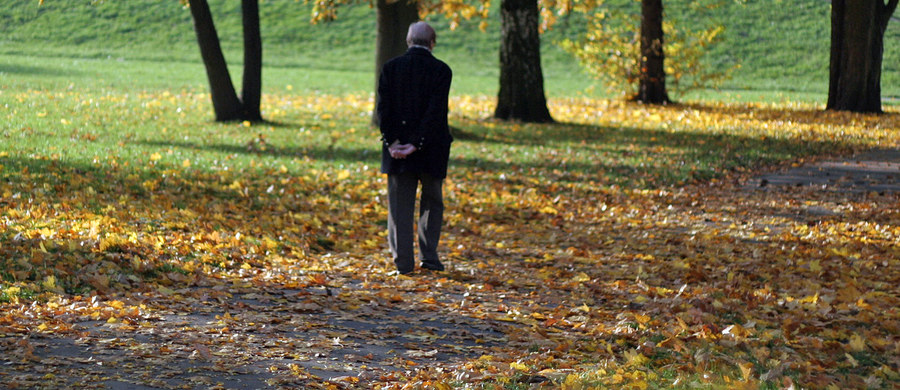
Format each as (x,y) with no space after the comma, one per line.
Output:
(876,170)
(293,336)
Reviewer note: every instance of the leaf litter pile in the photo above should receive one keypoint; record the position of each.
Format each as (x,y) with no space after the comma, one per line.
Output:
(627,248)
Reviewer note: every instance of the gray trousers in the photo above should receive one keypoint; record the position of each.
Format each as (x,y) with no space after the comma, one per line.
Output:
(401,214)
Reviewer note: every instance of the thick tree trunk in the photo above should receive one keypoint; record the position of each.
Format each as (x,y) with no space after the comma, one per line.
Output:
(226,104)
(251,88)
(521,96)
(857,52)
(652,83)
(392,20)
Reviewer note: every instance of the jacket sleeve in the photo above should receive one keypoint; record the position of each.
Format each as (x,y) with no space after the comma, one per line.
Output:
(434,121)
(388,135)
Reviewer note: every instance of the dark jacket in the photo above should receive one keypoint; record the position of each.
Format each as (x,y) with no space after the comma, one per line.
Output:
(412,109)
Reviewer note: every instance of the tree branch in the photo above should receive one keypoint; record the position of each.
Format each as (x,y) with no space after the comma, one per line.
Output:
(889,8)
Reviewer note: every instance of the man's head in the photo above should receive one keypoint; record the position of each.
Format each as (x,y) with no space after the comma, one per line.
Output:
(420,33)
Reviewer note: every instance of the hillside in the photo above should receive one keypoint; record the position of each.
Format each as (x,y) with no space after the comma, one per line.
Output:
(781,48)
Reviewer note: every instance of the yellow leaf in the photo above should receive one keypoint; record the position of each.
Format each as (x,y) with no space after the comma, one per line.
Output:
(518,366)
(549,210)
(270,243)
(186,163)
(811,299)
(638,384)
(635,358)
(49,282)
(165,290)
(814,266)
(852,361)
(246,266)
(441,386)
(746,370)
(857,343)
(581,277)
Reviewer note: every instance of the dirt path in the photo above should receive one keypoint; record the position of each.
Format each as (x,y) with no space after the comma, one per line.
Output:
(252,339)
(877,171)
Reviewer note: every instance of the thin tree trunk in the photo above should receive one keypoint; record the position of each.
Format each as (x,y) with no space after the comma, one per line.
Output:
(251,88)
(857,53)
(521,96)
(392,23)
(652,83)
(226,104)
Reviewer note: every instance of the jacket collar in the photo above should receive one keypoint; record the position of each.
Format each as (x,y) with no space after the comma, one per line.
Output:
(419,50)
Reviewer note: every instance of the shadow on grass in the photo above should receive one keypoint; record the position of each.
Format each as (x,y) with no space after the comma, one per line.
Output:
(803,116)
(331,154)
(574,152)
(32,70)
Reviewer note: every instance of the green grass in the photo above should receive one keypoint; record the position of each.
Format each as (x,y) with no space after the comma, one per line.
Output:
(124,79)
(781,47)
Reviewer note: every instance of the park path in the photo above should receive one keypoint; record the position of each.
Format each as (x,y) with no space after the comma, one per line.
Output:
(251,337)
(876,170)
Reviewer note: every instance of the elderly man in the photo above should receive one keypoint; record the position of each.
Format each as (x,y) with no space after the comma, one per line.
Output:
(412,111)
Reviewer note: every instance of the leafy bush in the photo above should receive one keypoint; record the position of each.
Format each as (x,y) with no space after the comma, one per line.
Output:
(610,51)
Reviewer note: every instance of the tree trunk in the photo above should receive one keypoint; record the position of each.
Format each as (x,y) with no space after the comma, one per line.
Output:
(857,51)
(251,88)
(226,104)
(392,19)
(652,83)
(521,96)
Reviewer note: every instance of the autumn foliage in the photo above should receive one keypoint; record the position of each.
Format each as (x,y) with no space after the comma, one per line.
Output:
(627,247)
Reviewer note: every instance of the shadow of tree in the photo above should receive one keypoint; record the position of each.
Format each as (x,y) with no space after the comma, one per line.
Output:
(803,116)
(34,70)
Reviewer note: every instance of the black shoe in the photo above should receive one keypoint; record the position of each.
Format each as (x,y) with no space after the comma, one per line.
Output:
(433,267)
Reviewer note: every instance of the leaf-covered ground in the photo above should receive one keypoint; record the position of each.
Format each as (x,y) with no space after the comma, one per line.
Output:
(629,247)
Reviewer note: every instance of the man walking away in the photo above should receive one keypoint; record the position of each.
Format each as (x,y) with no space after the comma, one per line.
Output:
(412,109)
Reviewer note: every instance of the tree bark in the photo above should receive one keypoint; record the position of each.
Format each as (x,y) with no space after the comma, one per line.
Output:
(857,52)
(652,82)
(226,104)
(521,96)
(251,87)
(392,20)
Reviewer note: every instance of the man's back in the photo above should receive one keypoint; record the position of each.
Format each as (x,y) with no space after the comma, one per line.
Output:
(412,108)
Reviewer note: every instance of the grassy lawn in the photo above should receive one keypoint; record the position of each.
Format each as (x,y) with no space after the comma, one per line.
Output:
(621,247)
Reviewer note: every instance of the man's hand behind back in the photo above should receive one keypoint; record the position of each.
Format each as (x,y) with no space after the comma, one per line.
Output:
(401,151)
